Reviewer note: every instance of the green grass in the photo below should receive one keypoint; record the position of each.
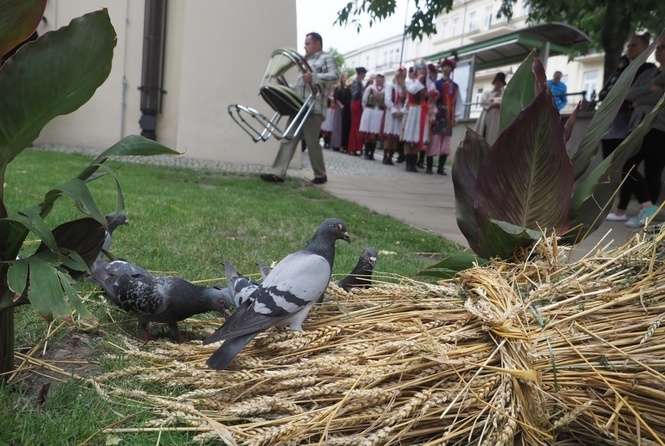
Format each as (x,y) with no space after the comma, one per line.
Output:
(184,222)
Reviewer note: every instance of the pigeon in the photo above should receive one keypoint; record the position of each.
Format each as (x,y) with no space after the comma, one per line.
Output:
(284,298)
(361,275)
(157,299)
(241,288)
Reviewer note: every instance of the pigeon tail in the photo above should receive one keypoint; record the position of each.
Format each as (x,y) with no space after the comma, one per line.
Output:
(225,354)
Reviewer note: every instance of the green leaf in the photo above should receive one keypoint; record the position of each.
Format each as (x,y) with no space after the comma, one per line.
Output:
(54,75)
(17,276)
(72,296)
(45,291)
(607,111)
(501,239)
(18,21)
(453,264)
(31,220)
(592,195)
(518,93)
(527,177)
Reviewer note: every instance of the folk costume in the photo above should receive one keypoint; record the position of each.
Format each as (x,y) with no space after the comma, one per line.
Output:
(449,108)
(371,122)
(416,125)
(395,100)
(357,90)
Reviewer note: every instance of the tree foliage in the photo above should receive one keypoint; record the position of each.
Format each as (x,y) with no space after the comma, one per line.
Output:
(607,22)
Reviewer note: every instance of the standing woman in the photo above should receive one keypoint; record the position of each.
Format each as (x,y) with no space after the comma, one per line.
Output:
(416,125)
(488,122)
(357,89)
(371,123)
(343,97)
(395,98)
(450,108)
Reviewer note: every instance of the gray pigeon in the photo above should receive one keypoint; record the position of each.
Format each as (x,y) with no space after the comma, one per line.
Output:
(285,296)
(264,270)
(241,288)
(361,275)
(157,299)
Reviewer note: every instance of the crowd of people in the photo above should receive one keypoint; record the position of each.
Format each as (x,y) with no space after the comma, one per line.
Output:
(647,88)
(411,117)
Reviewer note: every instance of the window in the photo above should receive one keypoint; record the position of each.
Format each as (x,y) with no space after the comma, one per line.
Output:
(472,21)
(476,101)
(590,82)
(489,17)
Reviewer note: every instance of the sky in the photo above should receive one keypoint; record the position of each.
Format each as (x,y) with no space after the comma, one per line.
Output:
(318,15)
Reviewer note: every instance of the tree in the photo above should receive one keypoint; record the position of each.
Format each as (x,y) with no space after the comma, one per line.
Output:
(608,22)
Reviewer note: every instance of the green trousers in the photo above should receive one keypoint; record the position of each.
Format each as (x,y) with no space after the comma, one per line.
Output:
(310,131)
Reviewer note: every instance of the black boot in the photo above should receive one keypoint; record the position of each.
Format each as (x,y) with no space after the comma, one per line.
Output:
(430,165)
(400,158)
(389,158)
(385,157)
(369,150)
(411,160)
(441,170)
(421,159)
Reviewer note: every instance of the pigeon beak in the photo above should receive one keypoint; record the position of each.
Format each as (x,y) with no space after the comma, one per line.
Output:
(346,236)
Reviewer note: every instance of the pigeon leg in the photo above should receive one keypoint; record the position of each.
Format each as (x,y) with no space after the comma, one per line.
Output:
(295,322)
(175,333)
(144,327)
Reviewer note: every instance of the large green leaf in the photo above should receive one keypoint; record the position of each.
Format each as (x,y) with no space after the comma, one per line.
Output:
(13,235)
(18,20)
(45,291)
(592,195)
(52,76)
(527,177)
(467,161)
(518,93)
(17,276)
(607,111)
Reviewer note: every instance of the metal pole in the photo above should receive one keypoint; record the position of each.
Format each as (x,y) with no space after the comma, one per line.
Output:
(406,16)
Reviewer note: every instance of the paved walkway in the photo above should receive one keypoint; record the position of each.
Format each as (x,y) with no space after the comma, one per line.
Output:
(424,201)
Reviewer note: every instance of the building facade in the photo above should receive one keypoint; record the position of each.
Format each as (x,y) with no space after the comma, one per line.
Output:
(211,58)
(472,21)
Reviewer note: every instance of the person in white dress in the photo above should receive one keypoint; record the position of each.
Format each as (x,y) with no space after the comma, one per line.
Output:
(395,100)
(488,122)
(415,133)
(371,122)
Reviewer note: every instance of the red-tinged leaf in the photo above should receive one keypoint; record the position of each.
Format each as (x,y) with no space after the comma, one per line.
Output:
(570,123)
(465,174)
(519,93)
(527,177)
(18,21)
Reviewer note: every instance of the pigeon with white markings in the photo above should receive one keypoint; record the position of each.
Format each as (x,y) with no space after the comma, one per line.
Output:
(285,297)
(361,275)
(157,299)
(240,287)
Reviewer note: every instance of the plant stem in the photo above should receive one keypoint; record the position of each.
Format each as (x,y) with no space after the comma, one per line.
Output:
(6,341)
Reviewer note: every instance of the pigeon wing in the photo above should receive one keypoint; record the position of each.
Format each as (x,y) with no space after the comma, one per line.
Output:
(299,279)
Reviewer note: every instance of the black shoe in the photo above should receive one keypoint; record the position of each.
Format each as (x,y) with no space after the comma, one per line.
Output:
(272,178)
(400,158)
(320,180)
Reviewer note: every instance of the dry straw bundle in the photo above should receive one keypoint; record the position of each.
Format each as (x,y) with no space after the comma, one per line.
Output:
(539,352)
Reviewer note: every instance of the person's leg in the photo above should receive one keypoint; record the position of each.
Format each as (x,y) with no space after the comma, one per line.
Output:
(287,148)
(311,134)
(441,168)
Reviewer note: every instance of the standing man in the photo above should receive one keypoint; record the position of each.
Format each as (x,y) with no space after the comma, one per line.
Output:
(558,90)
(323,75)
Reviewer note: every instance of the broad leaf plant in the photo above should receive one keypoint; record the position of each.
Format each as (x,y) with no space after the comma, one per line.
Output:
(53,75)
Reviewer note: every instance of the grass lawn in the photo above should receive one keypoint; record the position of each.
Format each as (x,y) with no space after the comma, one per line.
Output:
(186,223)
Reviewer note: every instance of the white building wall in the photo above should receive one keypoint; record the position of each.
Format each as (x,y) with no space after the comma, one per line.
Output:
(214,56)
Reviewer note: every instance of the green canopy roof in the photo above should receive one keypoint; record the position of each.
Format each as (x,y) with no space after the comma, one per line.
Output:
(515,46)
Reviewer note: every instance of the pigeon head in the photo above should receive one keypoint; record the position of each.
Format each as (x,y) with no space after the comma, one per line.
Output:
(116,219)
(333,229)
(370,255)
(218,298)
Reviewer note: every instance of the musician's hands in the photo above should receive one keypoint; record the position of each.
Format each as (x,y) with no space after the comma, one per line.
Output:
(307,77)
